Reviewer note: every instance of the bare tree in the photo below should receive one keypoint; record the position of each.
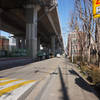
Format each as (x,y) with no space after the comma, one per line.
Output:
(83,9)
(75,25)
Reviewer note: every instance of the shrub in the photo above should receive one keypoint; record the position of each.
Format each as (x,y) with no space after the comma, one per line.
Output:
(70,59)
(86,70)
(96,75)
(92,73)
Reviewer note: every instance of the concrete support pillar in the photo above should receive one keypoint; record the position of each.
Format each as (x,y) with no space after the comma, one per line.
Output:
(31,30)
(53,44)
(23,43)
(57,47)
(17,42)
(38,44)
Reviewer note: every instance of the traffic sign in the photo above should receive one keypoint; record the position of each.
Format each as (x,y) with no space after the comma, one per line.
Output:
(96,8)
(98,2)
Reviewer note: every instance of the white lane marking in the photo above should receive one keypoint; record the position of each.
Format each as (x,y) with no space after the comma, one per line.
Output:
(6,80)
(11,84)
(14,95)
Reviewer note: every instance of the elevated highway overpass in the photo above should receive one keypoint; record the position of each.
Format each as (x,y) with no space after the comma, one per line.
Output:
(32,22)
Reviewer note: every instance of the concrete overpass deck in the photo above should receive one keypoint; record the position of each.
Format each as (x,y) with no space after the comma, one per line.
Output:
(32,21)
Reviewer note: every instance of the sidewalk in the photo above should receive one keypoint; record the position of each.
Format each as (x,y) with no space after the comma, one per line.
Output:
(63,84)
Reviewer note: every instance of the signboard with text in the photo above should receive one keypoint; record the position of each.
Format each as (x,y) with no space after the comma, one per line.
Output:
(96,8)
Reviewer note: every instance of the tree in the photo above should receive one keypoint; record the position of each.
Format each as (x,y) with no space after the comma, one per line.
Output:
(83,11)
(75,25)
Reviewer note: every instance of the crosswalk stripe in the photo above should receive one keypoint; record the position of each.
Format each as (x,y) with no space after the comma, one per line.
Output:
(7,82)
(11,88)
(11,84)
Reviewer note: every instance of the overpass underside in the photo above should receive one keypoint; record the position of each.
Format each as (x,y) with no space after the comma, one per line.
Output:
(34,22)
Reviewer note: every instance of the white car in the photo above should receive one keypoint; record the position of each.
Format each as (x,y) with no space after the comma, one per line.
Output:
(58,55)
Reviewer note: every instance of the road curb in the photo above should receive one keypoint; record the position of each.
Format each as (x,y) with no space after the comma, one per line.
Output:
(26,93)
(77,71)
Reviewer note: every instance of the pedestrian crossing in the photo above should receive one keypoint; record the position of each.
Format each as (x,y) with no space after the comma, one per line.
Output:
(12,89)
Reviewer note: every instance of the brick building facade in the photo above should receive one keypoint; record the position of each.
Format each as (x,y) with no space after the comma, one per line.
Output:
(4,43)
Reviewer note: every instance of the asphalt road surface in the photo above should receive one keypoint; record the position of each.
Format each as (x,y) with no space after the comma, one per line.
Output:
(52,79)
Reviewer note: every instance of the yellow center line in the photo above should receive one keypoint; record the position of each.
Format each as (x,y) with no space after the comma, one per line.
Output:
(11,88)
(7,82)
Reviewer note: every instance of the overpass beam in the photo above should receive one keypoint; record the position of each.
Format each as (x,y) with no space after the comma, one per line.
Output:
(31,30)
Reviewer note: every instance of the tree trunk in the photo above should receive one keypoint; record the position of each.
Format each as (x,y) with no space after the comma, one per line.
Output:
(89,55)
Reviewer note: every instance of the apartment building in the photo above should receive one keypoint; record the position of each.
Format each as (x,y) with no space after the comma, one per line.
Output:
(73,46)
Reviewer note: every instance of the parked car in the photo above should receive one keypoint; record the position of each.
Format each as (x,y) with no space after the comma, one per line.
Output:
(58,55)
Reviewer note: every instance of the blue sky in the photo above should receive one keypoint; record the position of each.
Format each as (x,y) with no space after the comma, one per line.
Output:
(2,33)
(65,8)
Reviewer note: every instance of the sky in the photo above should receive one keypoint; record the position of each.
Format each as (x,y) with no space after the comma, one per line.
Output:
(2,33)
(65,7)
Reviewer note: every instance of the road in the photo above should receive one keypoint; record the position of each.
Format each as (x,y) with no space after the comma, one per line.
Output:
(52,79)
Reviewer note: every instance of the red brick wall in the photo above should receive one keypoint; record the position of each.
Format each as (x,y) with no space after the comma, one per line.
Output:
(4,44)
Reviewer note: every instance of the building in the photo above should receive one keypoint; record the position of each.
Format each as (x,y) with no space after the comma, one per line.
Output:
(4,43)
(73,46)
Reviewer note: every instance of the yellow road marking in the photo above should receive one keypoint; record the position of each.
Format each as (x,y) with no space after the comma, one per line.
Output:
(11,88)
(7,82)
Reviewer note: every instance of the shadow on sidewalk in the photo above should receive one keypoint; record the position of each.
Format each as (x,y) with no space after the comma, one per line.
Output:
(82,83)
(74,73)
(64,88)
